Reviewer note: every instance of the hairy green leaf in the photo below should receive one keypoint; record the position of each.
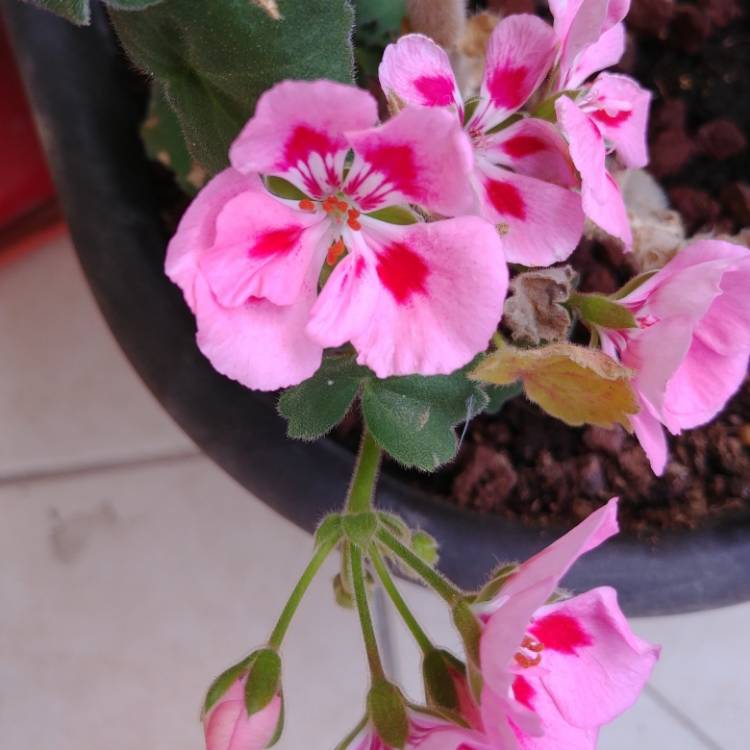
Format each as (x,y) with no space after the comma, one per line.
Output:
(214,59)
(319,403)
(413,417)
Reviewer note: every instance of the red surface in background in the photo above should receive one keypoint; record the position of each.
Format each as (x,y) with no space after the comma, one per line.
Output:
(25,184)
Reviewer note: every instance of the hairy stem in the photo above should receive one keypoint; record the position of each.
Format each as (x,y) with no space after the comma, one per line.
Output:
(428,574)
(365,618)
(287,614)
(398,602)
(362,488)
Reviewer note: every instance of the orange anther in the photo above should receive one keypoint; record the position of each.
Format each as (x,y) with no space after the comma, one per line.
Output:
(335,251)
(532,644)
(306,205)
(329,204)
(353,213)
(354,224)
(526,662)
(342,205)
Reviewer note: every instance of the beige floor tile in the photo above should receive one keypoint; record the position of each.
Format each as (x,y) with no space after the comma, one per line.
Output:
(123,594)
(705,670)
(67,394)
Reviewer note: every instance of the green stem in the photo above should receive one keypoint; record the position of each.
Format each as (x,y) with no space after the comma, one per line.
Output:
(429,575)
(365,619)
(282,625)
(398,602)
(359,499)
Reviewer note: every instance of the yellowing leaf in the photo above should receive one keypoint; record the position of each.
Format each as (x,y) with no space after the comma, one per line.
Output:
(573,383)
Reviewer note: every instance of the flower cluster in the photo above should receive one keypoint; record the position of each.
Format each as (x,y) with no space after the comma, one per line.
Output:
(547,671)
(329,230)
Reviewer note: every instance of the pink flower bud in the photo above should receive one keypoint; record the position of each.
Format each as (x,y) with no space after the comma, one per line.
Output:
(228,727)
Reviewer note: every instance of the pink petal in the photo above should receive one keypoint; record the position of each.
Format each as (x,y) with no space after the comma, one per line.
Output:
(718,274)
(438,291)
(603,53)
(228,727)
(347,302)
(297,132)
(261,345)
(578,25)
(505,628)
(496,709)
(418,72)
(554,562)
(607,210)
(702,385)
(655,353)
(446,737)
(540,223)
(556,733)
(534,148)
(586,147)
(594,665)
(620,109)
(197,228)
(262,248)
(519,56)
(421,155)
(726,326)
(650,433)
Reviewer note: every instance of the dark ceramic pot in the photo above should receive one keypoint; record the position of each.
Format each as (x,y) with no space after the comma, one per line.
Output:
(88,106)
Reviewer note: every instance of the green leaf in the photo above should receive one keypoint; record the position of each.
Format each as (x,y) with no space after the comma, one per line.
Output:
(75,11)
(499,394)
(378,21)
(412,417)
(387,710)
(319,403)
(602,311)
(79,11)
(164,142)
(224,681)
(395,215)
(131,4)
(264,681)
(214,59)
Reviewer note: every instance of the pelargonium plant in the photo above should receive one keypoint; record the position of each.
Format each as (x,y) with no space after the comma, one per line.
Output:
(346,256)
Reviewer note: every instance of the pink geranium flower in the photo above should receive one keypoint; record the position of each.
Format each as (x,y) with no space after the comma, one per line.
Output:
(228,727)
(523,178)
(554,673)
(690,350)
(411,298)
(609,114)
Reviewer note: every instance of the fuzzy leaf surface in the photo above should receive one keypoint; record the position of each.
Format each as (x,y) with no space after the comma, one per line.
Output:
(413,417)
(214,59)
(318,404)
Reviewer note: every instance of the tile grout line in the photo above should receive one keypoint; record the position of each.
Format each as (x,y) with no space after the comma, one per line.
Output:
(105,467)
(668,707)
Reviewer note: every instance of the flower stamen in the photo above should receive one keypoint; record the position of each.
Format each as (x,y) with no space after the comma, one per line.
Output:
(530,653)
(335,251)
